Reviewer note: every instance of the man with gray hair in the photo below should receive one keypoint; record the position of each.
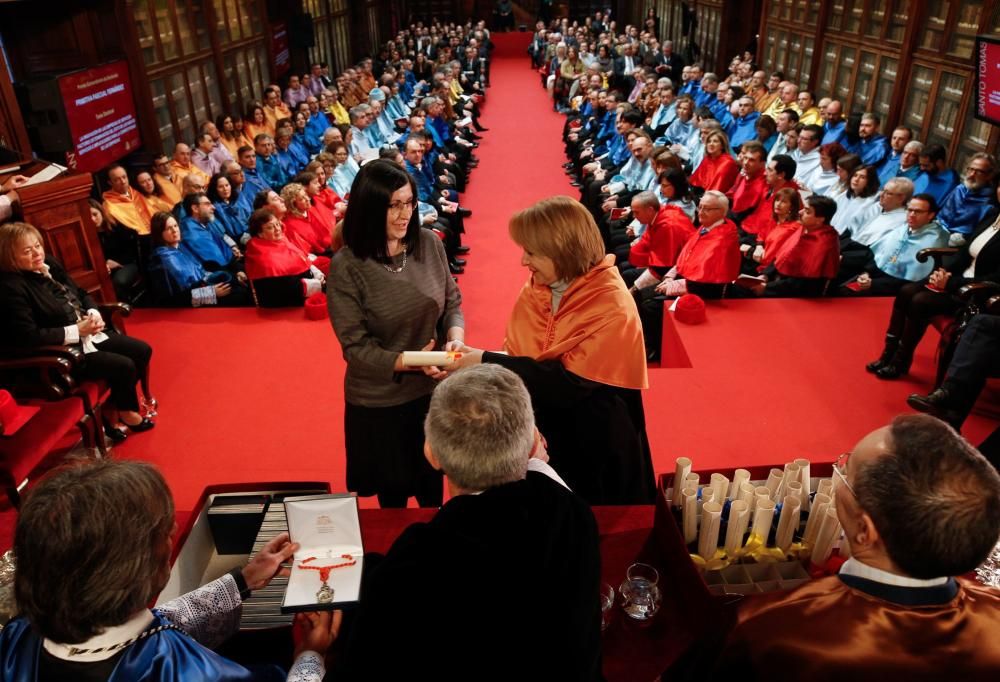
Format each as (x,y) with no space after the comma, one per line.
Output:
(512,539)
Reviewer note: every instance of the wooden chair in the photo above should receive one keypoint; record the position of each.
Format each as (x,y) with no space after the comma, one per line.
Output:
(974,297)
(54,380)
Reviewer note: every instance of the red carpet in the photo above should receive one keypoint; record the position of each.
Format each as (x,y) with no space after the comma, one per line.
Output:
(250,395)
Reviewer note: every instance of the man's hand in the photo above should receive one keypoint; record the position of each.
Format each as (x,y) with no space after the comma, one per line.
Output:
(267,562)
(315,631)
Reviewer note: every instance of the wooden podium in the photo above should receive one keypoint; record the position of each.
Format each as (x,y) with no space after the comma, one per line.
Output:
(59,209)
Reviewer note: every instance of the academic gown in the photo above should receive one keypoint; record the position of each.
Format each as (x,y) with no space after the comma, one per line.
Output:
(719,173)
(585,367)
(205,244)
(711,255)
(276,267)
(805,262)
(761,219)
(746,194)
(173,274)
(660,244)
(167,656)
(848,628)
(474,577)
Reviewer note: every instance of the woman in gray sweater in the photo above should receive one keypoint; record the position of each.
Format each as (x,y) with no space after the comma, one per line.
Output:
(390,290)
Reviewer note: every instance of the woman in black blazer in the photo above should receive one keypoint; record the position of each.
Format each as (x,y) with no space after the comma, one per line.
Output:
(918,303)
(41,305)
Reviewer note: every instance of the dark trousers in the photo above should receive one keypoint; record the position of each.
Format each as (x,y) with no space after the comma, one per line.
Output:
(912,311)
(976,357)
(121,361)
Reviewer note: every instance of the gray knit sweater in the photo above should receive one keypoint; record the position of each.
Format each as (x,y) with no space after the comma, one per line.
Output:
(377,314)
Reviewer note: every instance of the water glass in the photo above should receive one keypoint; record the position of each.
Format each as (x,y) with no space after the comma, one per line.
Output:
(641,592)
(607,603)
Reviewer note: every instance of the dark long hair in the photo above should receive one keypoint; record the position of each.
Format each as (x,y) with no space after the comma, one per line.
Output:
(364,223)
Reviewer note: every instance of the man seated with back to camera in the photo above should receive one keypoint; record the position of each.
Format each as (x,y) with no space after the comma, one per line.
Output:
(919,506)
(511,536)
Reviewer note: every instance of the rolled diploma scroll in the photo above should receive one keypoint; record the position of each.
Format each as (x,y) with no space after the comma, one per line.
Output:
(740,476)
(682,467)
(788,522)
(429,358)
(828,531)
(805,480)
(791,473)
(820,504)
(825,486)
(739,516)
(689,514)
(774,481)
(720,488)
(759,493)
(692,480)
(711,520)
(745,493)
(793,488)
(762,517)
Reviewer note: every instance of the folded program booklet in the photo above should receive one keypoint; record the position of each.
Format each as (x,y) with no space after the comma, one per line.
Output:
(326,570)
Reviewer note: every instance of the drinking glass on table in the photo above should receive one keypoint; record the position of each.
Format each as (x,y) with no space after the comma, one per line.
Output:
(641,592)
(607,603)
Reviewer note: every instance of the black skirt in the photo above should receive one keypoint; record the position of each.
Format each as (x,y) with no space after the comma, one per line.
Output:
(385,451)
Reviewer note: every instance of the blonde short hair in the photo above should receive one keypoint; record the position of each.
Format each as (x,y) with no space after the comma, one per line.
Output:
(10,235)
(562,229)
(288,194)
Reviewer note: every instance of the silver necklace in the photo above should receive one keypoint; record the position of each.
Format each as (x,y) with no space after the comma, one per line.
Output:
(395,270)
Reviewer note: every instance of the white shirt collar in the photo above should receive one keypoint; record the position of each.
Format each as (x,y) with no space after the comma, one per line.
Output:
(861,570)
(116,634)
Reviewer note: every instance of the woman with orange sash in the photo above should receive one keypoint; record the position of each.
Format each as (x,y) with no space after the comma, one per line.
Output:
(575,339)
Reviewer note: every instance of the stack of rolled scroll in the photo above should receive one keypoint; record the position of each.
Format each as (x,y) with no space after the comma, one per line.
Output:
(752,508)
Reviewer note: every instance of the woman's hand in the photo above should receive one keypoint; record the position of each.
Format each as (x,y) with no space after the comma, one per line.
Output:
(469,356)
(267,562)
(88,326)
(315,631)
(222,290)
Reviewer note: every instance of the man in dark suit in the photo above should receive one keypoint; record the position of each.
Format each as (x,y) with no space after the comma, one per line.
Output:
(669,64)
(624,68)
(512,538)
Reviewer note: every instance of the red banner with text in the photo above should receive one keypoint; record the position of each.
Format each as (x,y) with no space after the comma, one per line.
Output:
(101,115)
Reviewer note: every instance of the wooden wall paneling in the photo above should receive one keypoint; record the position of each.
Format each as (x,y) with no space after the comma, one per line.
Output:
(60,211)
(142,96)
(13,134)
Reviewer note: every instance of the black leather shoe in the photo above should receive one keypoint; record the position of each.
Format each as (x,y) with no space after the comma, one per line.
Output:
(893,370)
(888,353)
(575,184)
(473,136)
(456,269)
(939,403)
(460,262)
(481,129)
(465,212)
(145,425)
(462,250)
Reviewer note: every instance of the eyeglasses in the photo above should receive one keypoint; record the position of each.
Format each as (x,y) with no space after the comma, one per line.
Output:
(840,467)
(399,207)
(982,171)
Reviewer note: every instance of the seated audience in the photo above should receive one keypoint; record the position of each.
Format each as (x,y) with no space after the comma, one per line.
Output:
(123,205)
(280,273)
(787,205)
(889,168)
(897,604)
(181,166)
(480,432)
(179,279)
(873,148)
(891,215)
(778,174)
(751,185)
(807,155)
(894,255)
(935,178)
(41,305)
(826,177)
(667,229)
(121,252)
(228,211)
(303,223)
(202,237)
(90,620)
(917,303)
(156,201)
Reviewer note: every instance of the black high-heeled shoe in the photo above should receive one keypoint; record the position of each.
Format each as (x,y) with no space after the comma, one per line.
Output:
(115,434)
(145,425)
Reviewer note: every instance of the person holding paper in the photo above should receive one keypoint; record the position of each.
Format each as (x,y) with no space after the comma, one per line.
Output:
(575,339)
(453,596)
(390,291)
(919,506)
(84,612)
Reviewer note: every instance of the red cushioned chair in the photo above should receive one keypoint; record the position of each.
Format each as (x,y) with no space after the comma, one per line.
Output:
(22,450)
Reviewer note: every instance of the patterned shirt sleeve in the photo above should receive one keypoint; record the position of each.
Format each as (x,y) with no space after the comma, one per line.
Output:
(308,667)
(209,614)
